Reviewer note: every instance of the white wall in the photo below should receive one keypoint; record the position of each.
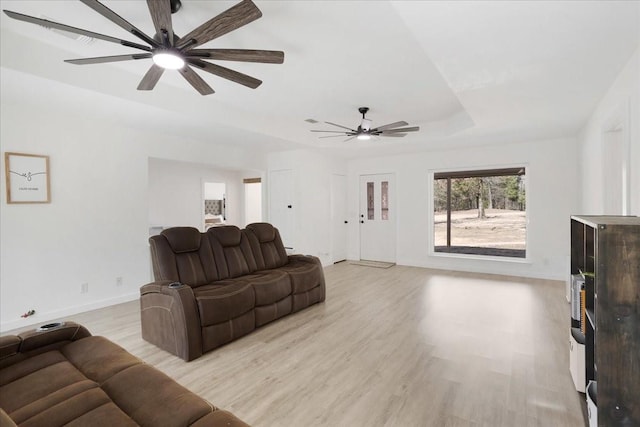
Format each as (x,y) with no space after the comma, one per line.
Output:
(214,190)
(312,198)
(175,193)
(621,100)
(552,187)
(551,168)
(96,227)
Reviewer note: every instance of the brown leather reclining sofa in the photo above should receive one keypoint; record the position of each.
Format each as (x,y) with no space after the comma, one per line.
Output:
(214,287)
(66,376)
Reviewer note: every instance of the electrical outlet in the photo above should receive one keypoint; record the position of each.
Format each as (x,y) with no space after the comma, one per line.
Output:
(84,288)
(119,281)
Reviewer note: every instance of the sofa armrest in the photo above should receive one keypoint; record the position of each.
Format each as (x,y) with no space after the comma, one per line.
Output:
(14,348)
(170,318)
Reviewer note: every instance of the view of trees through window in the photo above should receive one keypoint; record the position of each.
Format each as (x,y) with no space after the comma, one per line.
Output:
(480,212)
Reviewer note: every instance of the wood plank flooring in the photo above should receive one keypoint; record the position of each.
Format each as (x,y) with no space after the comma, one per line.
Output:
(402,346)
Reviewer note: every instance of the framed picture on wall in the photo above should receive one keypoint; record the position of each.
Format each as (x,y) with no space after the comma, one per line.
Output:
(27,178)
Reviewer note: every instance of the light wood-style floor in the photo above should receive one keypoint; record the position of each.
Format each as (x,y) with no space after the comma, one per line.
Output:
(401,346)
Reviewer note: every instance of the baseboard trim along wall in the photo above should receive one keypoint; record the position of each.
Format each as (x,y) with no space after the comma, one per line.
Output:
(39,318)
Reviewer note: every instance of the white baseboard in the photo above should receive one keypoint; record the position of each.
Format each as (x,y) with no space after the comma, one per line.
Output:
(489,269)
(39,318)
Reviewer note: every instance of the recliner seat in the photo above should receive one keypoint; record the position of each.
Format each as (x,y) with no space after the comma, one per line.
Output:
(232,281)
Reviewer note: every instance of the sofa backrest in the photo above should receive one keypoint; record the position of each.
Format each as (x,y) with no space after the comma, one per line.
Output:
(182,254)
(267,246)
(231,251)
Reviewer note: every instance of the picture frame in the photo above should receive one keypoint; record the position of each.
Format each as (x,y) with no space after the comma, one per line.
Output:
(27,178)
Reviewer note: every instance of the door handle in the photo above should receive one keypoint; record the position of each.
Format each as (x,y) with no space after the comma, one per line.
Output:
(346,222)
(361,222)
(289,206)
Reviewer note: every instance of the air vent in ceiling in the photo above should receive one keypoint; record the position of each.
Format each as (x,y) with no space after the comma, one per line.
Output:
(79,37)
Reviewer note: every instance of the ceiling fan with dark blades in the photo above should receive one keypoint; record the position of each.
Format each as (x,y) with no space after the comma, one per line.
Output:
(365,132)
(168,51)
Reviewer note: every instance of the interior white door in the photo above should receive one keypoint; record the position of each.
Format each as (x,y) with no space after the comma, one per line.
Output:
(377,218)
(339,221)
(281,205)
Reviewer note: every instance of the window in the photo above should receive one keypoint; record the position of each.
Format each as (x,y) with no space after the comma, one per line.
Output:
(384,200)
(370,202)
(481,212)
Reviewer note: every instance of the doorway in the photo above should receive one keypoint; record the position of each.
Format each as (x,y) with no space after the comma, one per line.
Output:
(339,223)
(215,204)
(377,218)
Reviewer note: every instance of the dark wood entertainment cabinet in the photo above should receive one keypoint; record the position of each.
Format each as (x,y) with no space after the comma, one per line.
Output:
(606,251)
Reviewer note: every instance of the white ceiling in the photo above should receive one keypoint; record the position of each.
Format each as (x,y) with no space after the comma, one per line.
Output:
(466,72)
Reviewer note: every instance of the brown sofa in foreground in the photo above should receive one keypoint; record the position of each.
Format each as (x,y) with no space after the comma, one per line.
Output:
(214,287)
(65,376)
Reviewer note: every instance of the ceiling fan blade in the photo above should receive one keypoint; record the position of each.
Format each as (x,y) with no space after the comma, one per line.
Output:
(395,135)
(239,55)
(51,24)
(390,125)
(226,73)
(340,126)
(410,129)
(349,139)
(160,11)
(150,79)
(102,59)
(195,80)
(118,20)
(229,20)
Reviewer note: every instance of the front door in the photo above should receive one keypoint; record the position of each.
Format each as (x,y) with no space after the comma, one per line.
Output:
(377,218)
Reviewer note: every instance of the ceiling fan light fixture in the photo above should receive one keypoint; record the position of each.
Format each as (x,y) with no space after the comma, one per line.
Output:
(168,59)
(364,137)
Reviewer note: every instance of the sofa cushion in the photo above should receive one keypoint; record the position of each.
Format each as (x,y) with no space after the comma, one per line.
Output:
(98,358)
(55,373)
(264,231)
(183,239)
(228,235)
(91,405)
(106,415)
(266,245)
(29,366)
(178,255)
(269,286)
(224,300)
(63,397)
(231,251)
(151,398)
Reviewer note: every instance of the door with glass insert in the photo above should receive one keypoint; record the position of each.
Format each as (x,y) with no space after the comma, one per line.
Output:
(377,218)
